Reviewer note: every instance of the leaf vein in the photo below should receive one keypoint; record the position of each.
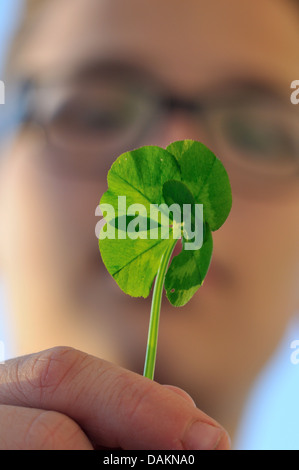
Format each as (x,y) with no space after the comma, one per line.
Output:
(137,256)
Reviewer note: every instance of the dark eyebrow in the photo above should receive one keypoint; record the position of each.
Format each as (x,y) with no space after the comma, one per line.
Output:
(110,67)
(252,86)
(105,67)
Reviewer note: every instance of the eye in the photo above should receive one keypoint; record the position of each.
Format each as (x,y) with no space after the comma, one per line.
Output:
(261,136)
(252,136)
(101,115)
(98,118)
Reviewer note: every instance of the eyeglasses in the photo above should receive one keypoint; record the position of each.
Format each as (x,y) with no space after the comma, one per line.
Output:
(88,123)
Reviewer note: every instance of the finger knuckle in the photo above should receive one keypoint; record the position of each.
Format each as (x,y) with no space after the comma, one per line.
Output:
(50,430)
(51,366)
(48,370)
(135,399)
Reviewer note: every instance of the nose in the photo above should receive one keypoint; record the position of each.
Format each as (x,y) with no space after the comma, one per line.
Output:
(178,125)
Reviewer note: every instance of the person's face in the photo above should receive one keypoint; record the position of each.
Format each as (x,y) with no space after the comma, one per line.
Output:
(60,289)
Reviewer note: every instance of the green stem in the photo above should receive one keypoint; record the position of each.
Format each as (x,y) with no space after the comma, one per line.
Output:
(152,340)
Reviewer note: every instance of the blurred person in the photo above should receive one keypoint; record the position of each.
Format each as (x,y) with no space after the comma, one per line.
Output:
(96,78)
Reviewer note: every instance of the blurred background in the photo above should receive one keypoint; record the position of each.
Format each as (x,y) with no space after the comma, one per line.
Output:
(274,398)
(10,13)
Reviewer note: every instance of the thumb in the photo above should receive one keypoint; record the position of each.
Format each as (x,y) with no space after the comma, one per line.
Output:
(224,442)
(182,393)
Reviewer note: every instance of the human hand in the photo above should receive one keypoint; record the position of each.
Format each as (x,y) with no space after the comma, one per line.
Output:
(63,399)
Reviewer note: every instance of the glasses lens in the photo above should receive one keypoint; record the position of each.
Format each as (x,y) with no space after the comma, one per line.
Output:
(259,138)
(96,120)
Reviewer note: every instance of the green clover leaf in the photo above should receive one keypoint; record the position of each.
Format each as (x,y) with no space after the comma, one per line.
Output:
(138,175)
(148,190)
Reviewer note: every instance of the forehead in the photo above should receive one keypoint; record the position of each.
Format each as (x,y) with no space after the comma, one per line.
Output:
(184,42)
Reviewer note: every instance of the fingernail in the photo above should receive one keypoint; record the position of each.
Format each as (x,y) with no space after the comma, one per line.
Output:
(202,436)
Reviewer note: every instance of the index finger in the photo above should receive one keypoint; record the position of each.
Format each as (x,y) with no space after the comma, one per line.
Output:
(116,408)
